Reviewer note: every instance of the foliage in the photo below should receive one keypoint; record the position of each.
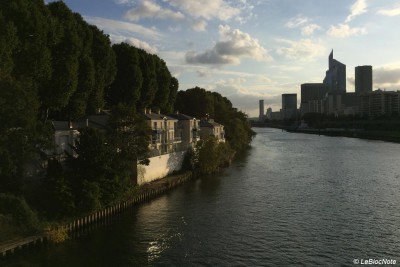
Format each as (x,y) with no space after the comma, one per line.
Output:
(142,80)
(22,215)
(57,235)
(198,102)
(209,155)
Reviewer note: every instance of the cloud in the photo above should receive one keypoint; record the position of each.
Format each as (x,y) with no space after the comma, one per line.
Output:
(203,73)
(302,50)
(141,44)
(309,29)
(344,30)
(206,9)
(199,25)
(296,22)
(387,77)
(232,46)
(304,24)
(395,11)
(123,28)
(358,8)
(148,9)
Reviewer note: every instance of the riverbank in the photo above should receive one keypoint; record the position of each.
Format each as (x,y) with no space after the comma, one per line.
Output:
(60,231)
(387,136)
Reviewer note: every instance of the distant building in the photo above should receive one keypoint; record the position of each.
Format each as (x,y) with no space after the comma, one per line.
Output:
(276,116)
(335,77)
(189,128)
(165,136)
(261,117)
(208,127)
(269,111)
(312,95)
(363,79)
(67,132)
(289,106)
(377,103)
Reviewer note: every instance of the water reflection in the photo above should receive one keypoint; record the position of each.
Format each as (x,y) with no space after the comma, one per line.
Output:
(293,199)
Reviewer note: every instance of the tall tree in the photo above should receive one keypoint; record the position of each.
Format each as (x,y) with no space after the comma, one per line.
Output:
(105,68)
(128,82)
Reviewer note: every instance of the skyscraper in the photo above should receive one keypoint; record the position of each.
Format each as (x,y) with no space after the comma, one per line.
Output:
(289,106)
(363,79)
(335,76)
(261,116)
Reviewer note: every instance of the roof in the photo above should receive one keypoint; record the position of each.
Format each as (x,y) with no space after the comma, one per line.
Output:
(99,121)
(156,116)
(181,117)
(204,123)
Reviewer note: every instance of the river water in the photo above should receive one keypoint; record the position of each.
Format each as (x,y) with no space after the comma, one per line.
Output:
(293,199)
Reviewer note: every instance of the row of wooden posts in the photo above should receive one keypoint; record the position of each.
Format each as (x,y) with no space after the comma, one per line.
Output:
(97,217)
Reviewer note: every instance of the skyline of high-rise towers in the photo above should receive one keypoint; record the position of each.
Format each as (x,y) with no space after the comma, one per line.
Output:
(335,77)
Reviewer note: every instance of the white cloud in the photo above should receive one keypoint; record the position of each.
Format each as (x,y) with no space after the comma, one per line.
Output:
(344,30)
(141,44)
(358,8)
(309,29)
(207,9)
(123,28)
(199,25)
(296,22)
(233,45)
(148,9)
(302,50)
(395,11)
(304,24)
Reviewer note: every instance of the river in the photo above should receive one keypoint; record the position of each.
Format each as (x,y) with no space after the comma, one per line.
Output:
(292,199)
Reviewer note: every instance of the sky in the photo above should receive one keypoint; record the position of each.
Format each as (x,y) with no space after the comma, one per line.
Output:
(248,50)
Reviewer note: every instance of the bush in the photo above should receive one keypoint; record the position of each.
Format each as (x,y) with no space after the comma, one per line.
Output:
(22,215)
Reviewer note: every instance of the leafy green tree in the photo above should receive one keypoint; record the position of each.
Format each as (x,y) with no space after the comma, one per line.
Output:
(149,85)
(128,82)
(198,102)
(22,215)
(163,86)
(105,68)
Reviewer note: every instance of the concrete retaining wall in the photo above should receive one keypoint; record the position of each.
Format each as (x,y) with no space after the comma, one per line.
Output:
(159,167)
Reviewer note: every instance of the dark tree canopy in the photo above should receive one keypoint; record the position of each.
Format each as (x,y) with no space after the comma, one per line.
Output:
(198,102)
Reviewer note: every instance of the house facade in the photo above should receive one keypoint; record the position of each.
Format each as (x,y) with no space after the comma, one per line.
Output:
(166,137)
(189,128)
(208,127)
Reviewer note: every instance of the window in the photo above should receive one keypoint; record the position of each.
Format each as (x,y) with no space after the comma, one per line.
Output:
(155,125)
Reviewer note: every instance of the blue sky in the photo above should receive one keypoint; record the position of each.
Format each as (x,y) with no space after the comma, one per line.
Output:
(256,49)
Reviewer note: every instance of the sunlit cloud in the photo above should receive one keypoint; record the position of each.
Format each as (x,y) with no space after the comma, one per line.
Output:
(344,30)
(302,50)
(232,46)
(358,8)
(148,9)
(117,27)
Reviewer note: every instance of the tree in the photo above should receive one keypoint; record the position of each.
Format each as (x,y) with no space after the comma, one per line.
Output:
(128,82)
(198,102)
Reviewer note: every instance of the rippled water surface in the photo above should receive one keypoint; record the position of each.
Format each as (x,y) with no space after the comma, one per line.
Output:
(293,199)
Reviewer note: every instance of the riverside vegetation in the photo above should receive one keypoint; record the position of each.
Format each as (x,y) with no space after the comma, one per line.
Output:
(56,66)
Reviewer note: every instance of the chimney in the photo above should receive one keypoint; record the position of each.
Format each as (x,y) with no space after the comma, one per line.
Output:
(69,124)
(177,112)
(149,111)
(158,111)
(145,110)
(87,122)
(98,111)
